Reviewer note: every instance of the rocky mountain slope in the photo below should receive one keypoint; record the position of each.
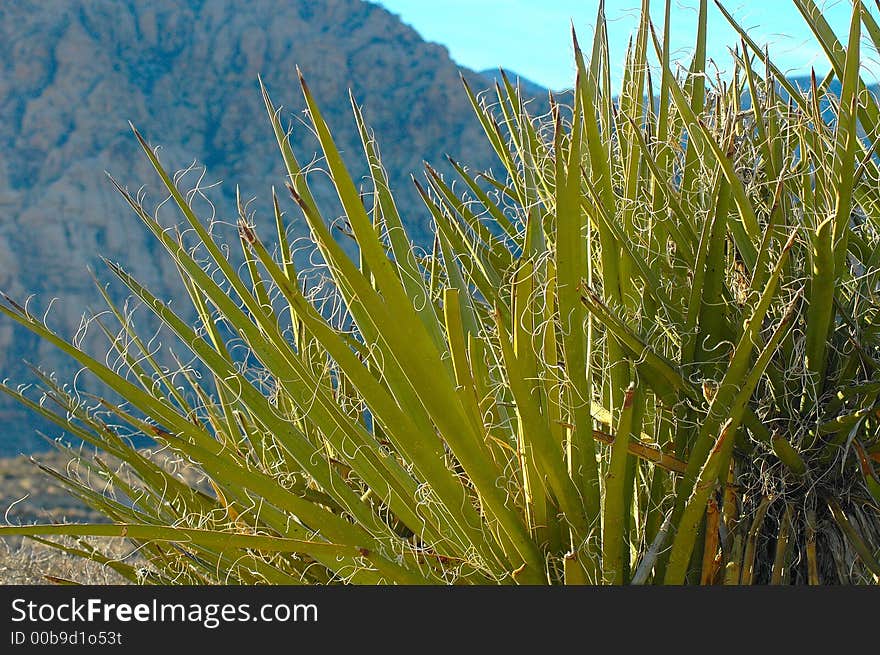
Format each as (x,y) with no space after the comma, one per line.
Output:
(73,72)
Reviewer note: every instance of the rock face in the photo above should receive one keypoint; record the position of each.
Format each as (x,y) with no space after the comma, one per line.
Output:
(73,72)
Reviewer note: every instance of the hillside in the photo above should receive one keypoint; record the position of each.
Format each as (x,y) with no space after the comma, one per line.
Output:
(73,72)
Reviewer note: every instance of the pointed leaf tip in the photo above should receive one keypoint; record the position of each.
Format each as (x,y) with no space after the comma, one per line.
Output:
(302,79)
(136,133)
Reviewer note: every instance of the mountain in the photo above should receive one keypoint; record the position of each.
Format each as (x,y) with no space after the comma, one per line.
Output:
(74,72)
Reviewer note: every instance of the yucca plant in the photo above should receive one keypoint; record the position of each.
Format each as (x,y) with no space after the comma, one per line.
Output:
(646,352)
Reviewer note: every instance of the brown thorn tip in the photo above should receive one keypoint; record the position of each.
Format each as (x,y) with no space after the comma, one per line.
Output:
(137,133)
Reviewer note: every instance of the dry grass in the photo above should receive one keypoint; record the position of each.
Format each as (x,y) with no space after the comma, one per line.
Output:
(28,563)
(28,495)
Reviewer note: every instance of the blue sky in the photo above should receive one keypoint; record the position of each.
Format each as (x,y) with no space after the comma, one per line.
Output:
(531,37)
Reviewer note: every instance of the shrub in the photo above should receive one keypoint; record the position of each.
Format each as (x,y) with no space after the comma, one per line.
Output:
(647,352)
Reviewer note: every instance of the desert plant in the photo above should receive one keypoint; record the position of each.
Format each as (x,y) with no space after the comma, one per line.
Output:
(646,352)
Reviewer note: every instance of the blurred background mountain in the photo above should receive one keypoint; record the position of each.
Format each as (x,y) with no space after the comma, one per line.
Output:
(74,72)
